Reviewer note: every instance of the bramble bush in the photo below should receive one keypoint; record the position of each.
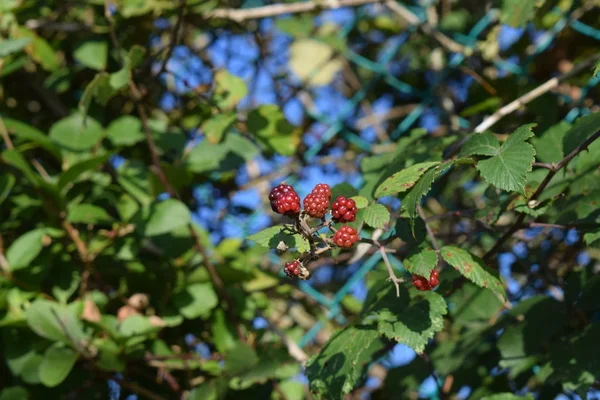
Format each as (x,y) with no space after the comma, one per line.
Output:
(302,200)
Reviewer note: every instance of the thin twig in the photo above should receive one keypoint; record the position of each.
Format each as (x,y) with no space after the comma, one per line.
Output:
(174,37)
(532,95)
(5,135)
(274,10)
(395,280)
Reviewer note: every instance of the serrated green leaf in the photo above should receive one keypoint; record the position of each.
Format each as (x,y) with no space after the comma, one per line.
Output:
(88,214)
(55,322)
(420,189)
(57,364)
(582,129)
(270,238)
(403,180)
(166,216)
(412,318)
(471,304)
(549,145)
(342,362)
(377,216)
(422,262)
(473,268)
(481,144)
(25,249)
(361,202)
(508,169)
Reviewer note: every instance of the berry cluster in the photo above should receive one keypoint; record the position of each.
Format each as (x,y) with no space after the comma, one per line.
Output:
(284,200)
(295,269)
(421,283)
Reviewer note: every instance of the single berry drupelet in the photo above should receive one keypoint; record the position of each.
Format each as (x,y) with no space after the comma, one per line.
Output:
(316,205)
(346,236)
(295,269)
(284,200)
(322,189)
(434,278)
(343,210)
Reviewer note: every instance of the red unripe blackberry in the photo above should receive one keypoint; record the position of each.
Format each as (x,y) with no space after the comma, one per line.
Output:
(346,236)
(434,278)
(284,200)
(421,283)
(323,189)
(343,210)
(316,205)
(295,269)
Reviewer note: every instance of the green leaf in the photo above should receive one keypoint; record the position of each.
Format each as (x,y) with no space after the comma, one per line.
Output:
(136,325)
(473,268)
(592,238)
(240,358)
(420,189)
(7,182)
(268,124)
(57,364)
(412,318)
(470,304)
(270,238)
(76,133)
(125,131)
(229,89)
(574,362)
(403,180)
(508,396)
(54,321)
(422,262)
(377,216)
(67,178)
(16,159)
(343,189)
(582,129)
(88,214)
(166,216)
(507,170)
(596,69)
(196,300)
(14,393)
(517,13)
(311,60)
(343,362)
(223,334)
(215,127)
(482,144)
(549,146)
(22,130)
(120,79)
(10,46)
(25,249)
(92,54)
(40,50)
(361,202)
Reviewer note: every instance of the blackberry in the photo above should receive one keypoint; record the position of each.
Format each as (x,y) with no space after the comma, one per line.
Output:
(316,205)
(295,269)
(343,210)
(346,236)
(323,189)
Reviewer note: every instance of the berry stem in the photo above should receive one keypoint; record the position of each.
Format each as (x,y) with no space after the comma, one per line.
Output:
(395,280)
